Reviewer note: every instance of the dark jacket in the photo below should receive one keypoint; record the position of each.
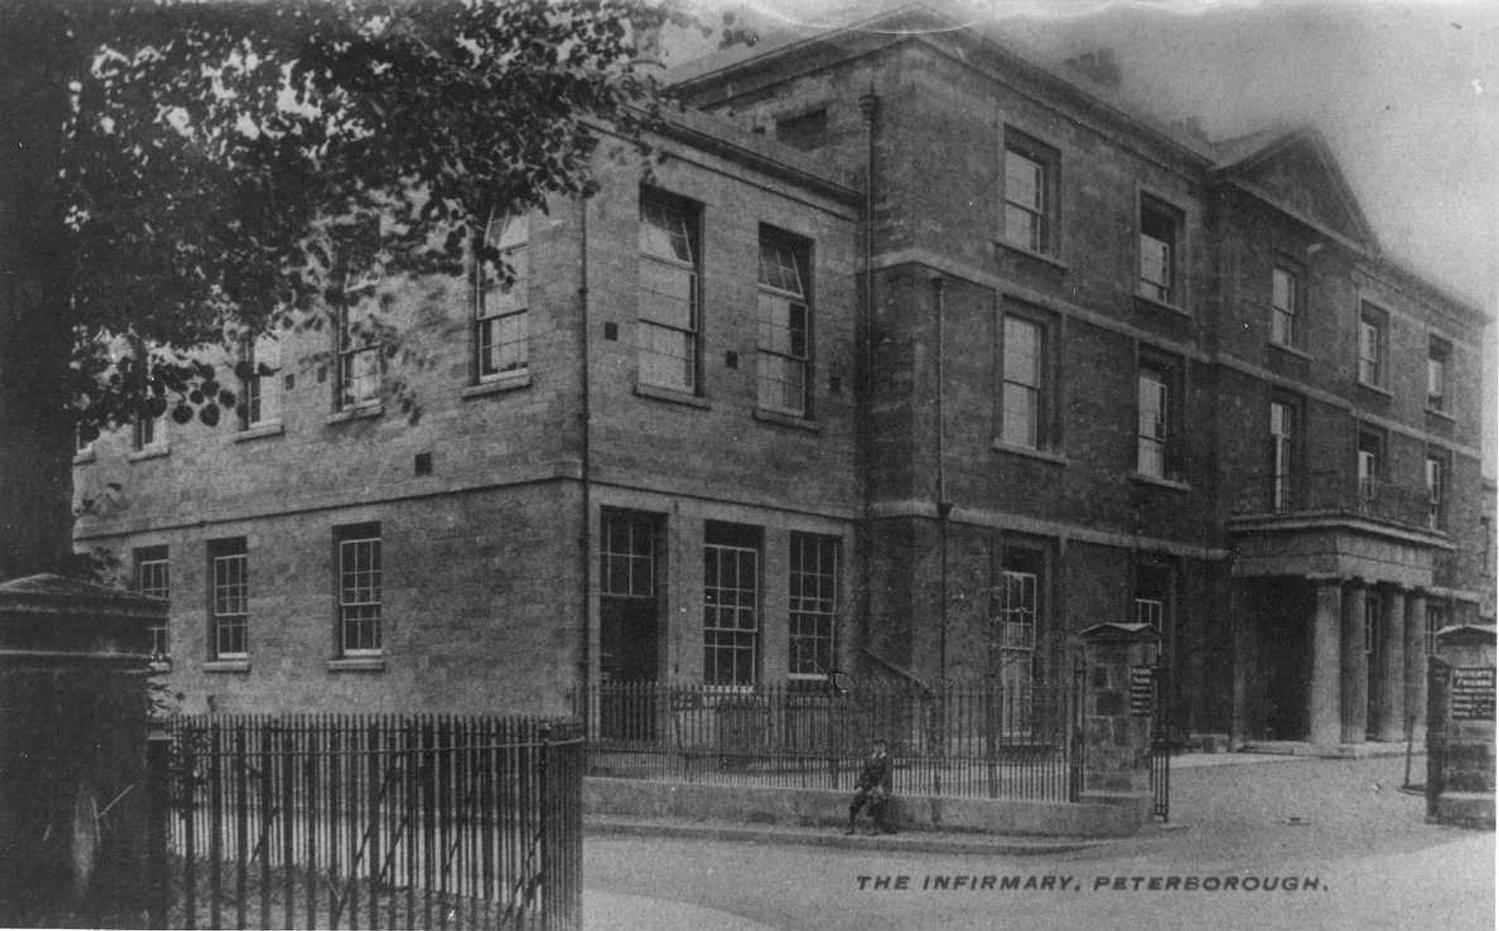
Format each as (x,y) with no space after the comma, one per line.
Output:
(878,771)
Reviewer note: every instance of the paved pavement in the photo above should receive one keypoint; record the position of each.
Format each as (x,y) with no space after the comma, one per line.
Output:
(1232,812)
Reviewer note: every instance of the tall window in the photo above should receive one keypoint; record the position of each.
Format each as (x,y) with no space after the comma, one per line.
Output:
(785,323)
(360,356)
(153,579)
(1437,354)
(1436,490)
(1372,345)
(1030,170)
(669,314)
(229,579)
(731,605)
(1282,453)
(502,298)
(814,604)
(359,584)
(1021,403)
(1436,619)
(1153,436)
(1016,619)
(148,433)
(260,401)
(1370,462)
(1285,296)
(1160,246)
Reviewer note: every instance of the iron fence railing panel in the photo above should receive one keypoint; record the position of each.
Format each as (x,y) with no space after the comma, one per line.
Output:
(370,821)
(985,740)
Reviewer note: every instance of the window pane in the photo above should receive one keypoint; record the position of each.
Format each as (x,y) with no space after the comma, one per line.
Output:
(664,232)
(1024,181)
(779,267)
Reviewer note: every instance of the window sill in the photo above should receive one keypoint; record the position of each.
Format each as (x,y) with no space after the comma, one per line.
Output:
(672,395)
(84,457)
(364,412)
(1376,389)
(1441,414)
(1290,350)
(259,431)
(357,664)
(508,382)
(787,420)
(1164,305)
(227,665)
(1171,483)
(1046,257)
(1045,455)
(153,452)
(161,664)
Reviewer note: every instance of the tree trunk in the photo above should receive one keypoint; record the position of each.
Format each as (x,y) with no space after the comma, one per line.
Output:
(36,427)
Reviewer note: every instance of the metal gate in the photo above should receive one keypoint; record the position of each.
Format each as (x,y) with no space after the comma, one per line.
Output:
(1160,742)
(334,821)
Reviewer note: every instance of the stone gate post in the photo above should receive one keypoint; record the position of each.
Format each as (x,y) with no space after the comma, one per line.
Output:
(73,729)
(1118,712)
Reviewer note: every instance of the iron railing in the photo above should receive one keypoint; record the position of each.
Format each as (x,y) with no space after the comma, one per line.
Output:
(333,821)
(1341,494)
(973,741)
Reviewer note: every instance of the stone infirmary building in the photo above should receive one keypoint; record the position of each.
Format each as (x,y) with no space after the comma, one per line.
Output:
(913,358)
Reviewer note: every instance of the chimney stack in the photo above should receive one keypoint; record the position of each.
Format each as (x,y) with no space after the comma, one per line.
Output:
(1098,65)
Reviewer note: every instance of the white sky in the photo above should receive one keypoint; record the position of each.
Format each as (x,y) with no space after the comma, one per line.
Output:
(1406,92)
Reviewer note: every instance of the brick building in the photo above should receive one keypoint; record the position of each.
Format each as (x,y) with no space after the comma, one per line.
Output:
(914,357)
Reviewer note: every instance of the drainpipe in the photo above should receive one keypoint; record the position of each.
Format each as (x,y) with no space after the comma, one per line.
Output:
(869,106)
(939,286)
(585,557)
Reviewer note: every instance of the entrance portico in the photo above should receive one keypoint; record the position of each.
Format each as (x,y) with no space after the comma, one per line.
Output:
(1330,622)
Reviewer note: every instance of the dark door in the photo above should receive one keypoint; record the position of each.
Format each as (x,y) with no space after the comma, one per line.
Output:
(1287,670)
(629,625)
(629,643)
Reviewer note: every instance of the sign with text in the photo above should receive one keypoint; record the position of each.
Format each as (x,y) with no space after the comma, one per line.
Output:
(1472,694)
(1141,691)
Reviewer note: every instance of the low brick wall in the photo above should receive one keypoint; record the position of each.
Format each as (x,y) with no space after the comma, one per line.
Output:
(1101,816)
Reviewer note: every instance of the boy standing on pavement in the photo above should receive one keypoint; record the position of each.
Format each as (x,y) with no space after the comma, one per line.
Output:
(873,788)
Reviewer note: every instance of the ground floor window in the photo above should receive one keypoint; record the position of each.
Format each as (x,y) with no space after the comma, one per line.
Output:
(731,605)
(153,579)
(814,604)
(229,598)
(360,576)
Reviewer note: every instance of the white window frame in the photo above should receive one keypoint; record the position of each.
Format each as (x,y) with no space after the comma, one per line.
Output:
(1153,424)
(361,358)
(812,592)
(501,334)
(785,360)
(153,579)
(360,592)
(1373,343)
(1282,455)
(1023,383)
(731,616)
(229,598)
(670,256)
(1370,463)
(1285,306)
(1159,269)
(1437,480)
(1438,355)
(261,394)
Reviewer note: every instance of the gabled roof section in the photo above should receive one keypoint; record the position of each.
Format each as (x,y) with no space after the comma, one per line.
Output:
(1294,169)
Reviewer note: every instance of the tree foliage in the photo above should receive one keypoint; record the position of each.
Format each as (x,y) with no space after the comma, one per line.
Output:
(228,167)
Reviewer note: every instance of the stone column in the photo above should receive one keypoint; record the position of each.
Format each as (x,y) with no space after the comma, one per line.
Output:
(1415,664)
(1391,724)
(1323,691)
(1355,666)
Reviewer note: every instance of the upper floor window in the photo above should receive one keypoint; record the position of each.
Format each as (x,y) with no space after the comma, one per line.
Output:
(1161,228)
(229,597)
(785,325)
(1436,619)
(502,299)
(1282,454)
(1437,353)
(260,399)
(1373,341)
(1436,490)
(153,579)
(1285,302)
(1153,582)
(1371,444)
(1023,382)
(813,591)
(1156,408)
(670,266)
(1030,199)
(361,356)
(148,432)
(360,581)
